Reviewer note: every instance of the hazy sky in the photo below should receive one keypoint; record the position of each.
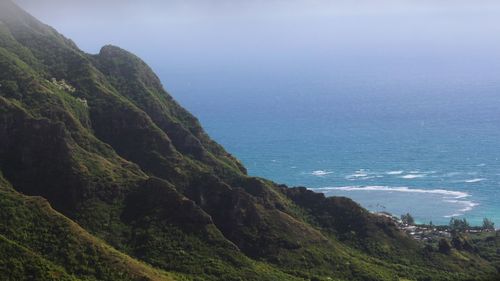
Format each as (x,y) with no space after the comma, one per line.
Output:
(241,39)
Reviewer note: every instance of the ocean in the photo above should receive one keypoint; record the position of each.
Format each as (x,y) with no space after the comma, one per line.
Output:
(427,145)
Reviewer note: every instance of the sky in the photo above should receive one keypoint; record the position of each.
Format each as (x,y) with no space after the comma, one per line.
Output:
(276,29)
(223,44)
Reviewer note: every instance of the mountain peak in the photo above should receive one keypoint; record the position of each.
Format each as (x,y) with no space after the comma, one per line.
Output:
(12,14)
(112,49)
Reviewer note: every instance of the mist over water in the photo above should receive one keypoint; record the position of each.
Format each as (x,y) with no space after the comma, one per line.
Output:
(395,104)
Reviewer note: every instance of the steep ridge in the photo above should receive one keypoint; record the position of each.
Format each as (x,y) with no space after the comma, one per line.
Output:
(136,81)
(98,137)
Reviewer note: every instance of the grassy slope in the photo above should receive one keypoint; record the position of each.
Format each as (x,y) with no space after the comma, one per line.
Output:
(37,243)
(136,170)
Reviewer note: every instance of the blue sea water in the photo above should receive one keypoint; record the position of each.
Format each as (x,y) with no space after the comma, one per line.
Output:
(427,145)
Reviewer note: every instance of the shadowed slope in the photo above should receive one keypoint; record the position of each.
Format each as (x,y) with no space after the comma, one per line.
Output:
(40,244)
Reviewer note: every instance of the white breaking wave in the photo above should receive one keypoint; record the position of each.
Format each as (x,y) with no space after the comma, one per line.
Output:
(468,205)
(453,215)
(320,173)
(357,176)
(448,193)
(474,180)
(395,172)
(422,172)
(448,196)
(368,177)
(413,176)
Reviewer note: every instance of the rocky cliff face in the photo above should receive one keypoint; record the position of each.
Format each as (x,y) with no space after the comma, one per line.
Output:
(141,192)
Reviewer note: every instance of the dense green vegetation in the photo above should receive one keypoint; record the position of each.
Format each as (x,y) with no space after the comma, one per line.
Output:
(37,243)
(106,177)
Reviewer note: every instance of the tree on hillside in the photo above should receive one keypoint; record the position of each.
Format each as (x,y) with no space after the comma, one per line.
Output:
(459,225)
(488,224)
(444,246)
(407,219)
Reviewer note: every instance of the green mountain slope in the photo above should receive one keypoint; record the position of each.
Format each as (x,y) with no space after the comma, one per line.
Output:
(37,243)
(139,189)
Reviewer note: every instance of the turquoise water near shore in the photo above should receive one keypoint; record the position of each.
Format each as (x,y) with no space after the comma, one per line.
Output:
(430,149)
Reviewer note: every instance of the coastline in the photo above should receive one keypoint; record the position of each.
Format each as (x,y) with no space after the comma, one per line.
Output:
(430,233)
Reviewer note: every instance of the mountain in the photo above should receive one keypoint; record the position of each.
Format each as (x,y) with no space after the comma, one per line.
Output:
(104,176)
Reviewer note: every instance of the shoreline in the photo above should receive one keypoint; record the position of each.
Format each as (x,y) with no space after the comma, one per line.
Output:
(428,232)
(458,207)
